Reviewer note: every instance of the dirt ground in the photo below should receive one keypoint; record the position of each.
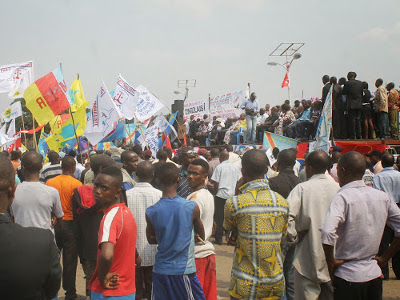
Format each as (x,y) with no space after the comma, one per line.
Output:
(224,254)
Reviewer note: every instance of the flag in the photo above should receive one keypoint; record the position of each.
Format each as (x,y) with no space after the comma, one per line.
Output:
(151,138)
(324,125)
(184,140)
(12,112)
(148,104)
(76,96)
(285,82)
(15,78)
(125,98)
(247,96)
(11,129)
(42,145)
(103,118)
(272,141)
(168,142)
(48,96)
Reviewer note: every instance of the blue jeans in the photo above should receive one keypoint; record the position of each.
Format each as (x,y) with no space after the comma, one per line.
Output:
(288,271)
(383,124)
(251,128)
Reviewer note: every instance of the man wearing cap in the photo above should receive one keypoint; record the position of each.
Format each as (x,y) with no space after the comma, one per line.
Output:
(375,159)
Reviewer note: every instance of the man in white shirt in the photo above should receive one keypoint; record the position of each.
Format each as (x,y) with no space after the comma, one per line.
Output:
(35,204)
(225,177)
(353,227)
(139,198)
(308,204)
(204,253)
(262,117)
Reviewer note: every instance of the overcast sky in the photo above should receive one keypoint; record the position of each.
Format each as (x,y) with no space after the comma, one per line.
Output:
(222,44)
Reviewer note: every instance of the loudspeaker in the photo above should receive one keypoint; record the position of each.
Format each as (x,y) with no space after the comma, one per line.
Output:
(178,106)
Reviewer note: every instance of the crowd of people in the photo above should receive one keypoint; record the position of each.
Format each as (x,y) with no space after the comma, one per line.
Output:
(357,113)
(145,228)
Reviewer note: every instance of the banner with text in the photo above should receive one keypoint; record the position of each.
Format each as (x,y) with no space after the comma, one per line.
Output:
(196,108)
(227,105)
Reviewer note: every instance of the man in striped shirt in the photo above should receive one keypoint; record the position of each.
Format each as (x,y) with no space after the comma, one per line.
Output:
(53,169)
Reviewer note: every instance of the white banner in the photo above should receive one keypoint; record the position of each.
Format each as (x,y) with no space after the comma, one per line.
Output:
(15,78)
(12,112)
(161,122)
(104,117)
(324,125)
(151,137)
(147,105)
(196,108)
(228,105)
(125,98)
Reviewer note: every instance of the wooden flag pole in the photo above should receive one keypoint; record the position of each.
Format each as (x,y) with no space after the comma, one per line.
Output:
(141,132)
(34,134)
(23,128)
(126,130)
(76,137)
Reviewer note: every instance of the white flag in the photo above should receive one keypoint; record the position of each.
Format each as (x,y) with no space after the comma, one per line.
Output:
(11,129)
(104,117)
(125,98)
(161,123)
(12,112)
(325,125)
(15,78)
(151,137)
(147,105)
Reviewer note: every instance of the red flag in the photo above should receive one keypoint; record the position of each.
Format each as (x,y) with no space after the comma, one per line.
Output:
(285,82)
(184,140)
(168,142)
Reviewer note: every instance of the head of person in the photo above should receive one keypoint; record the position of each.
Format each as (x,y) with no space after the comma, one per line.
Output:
(100,162)
(306,104)
(286,159)
(253,96)
(390,86)
(169,152)
(214,153)
(333,80)
(129,160)
(229,148)
(223,156)
(285,107)
(187,156)
(31,163)
(342,80)
(254,165)
(335,157)
(138,150)
(175,145)
(316,162)
(147,154)
(108,186)
(162,155)
(7,183)
(275,152)
(72,153)
(274,110)
(325,79)
(300,109)
(365,85)
(5,153)
(267,107)
(15,155)
(168,176)
(287,102)
(53,157)
(197,174)
(387,160)
(374,156)
(262,111)
(296,103)
(351,167)
(378,82)
(351,75)
(68,165)
(205,117)
(242,116)
(191,117)
(145,171)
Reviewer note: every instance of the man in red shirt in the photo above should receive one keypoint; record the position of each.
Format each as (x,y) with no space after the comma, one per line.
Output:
(115,272)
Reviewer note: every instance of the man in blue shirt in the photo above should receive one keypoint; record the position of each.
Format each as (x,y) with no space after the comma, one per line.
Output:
(251,108)
(174,223)
(388,181)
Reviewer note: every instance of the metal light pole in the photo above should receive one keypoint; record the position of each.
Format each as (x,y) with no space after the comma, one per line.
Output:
(187,83)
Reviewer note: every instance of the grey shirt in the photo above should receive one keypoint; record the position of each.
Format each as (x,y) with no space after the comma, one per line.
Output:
(34,203)
(354,224)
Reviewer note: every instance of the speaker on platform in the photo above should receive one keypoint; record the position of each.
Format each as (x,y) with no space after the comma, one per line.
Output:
(178,106)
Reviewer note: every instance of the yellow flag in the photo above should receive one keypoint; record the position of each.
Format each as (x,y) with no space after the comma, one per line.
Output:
(77,97)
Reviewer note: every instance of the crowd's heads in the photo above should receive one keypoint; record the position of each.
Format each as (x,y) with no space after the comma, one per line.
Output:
(351,75)
(197,173)
(296,103)
(15,155)
(147,154)
(145,171)
(365,85)
(374,156)
(68,165)
(214,152)
(316,162)
(99,162)
(254,165)
(267,107)
(253,96)
(229,148)
(162,155)
(333,80)
(390,86)
(325,79)
(72,153)
(286,159)
(223,156)
(129,160)
(137,149)
(378,82)
(351,167)
(7,183)
(262,111)
(285,107)
(53,157)
(275,152)
(242,116)
(188,154)
(387,160)
(342,80)
(108,186)
(168,175)
(31,163)
(335,157)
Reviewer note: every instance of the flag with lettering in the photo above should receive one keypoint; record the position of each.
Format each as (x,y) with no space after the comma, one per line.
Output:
(125,98)
(12,112)
(48,96)
(147,105)
(15,78)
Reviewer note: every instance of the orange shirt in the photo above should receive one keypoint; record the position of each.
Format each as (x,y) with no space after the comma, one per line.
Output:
(65,185)
(16,164)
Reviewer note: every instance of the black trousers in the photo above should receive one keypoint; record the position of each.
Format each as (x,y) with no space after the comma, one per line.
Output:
(338,124)
(144,282)
(387,238)
(344,290)
(88,266)
(219,204)
(66,242)
(354,131)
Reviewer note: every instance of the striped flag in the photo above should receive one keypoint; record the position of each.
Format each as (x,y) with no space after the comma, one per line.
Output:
(48,96)
(272,141)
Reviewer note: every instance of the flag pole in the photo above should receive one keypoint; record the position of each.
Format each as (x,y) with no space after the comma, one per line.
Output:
(76,137)
(23,127)
(141,132)
(34,134)
(126,129)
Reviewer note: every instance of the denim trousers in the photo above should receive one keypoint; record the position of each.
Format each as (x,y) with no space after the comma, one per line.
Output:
(251,128)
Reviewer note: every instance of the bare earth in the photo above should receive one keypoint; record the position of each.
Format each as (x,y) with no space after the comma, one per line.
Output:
(224,254)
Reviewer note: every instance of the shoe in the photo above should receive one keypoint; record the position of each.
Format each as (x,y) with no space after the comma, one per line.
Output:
(218,242)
